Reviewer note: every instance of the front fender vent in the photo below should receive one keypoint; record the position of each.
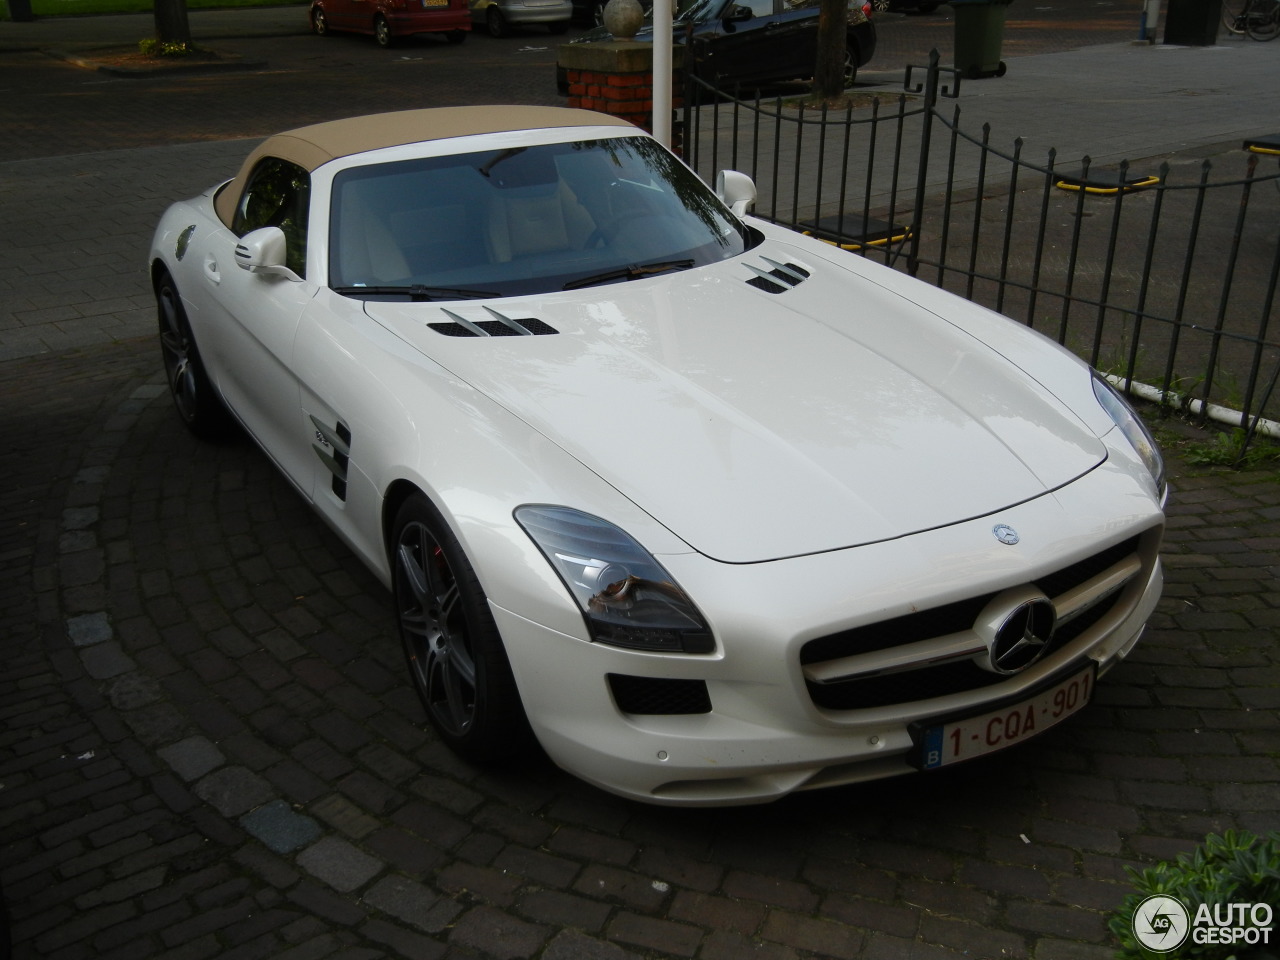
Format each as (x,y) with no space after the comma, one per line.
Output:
(781,278)
(333,447)
(499,326)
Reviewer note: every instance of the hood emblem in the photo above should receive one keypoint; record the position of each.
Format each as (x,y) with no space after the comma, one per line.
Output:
(1005,534)
(1016,628)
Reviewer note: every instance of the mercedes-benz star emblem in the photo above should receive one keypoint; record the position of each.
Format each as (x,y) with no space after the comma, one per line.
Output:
(1005,534)
(1023,638)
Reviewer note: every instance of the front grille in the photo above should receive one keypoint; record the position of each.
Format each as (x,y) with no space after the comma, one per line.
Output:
(658,695)
(924,680)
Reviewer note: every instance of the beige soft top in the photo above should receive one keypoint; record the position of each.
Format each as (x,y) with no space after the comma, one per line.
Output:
(319,143)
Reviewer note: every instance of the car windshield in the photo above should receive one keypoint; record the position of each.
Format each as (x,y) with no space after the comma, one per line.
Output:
(523,220)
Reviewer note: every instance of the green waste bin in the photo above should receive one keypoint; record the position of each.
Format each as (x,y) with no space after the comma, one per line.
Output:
(1192,23)
(979,37)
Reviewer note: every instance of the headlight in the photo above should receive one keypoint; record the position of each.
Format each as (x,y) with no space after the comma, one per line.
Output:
(1132,427)
(626,597)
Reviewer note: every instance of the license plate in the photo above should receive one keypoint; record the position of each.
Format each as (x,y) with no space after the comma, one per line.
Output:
(435,3)
(971,737)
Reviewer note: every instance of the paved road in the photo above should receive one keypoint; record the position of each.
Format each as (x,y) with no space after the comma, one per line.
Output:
(209,748)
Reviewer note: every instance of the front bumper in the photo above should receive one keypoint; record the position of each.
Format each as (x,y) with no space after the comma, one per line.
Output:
(763,733)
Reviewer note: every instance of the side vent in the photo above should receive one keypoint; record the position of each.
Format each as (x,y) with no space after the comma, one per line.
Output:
(780,279)
(333,447)
(499,326)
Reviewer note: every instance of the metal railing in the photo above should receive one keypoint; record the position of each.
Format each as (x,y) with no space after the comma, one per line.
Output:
(1164,278)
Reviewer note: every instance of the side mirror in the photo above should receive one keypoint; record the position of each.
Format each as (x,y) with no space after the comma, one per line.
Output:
(263,251)
(737,13)
(737,190)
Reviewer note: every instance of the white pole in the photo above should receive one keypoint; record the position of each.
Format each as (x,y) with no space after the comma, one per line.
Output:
(662,18)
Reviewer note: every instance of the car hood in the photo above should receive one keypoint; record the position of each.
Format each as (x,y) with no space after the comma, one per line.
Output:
(757,423)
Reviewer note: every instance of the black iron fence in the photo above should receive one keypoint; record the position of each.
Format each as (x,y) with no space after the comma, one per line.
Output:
(1165,278)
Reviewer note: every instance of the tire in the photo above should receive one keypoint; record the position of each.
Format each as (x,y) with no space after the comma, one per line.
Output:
(850,67)
(1264,19)
(197,402)
(495,21)
(597,14)
(455,655)
(319,23)
(382,31)
(1231,15)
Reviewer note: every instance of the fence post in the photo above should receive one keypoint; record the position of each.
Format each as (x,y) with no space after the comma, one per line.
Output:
(930,89)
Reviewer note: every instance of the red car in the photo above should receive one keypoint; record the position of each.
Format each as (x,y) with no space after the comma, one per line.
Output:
(389,19)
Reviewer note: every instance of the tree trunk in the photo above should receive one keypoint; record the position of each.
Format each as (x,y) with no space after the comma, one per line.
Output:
(828,73)
(171,21)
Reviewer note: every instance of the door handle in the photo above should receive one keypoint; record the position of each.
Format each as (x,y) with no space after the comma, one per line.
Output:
(211,269)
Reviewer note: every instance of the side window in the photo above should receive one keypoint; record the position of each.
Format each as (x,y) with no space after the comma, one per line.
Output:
(759,8)
(277,195)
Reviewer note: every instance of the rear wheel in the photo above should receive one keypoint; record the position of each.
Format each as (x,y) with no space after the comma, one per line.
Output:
(382,31)
(455,655)
(1263,19)
(194,397)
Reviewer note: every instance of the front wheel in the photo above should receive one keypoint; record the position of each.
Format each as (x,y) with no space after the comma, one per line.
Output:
(850,67)
(382,31)
(495,21)
(319,24)
(455,655)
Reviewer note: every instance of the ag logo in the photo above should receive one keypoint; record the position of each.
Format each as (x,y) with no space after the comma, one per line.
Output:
(1160,923)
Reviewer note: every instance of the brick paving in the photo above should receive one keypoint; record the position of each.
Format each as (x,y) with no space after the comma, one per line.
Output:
(209,747)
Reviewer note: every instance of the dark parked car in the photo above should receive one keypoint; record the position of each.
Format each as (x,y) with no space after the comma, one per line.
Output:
(756,42)
(906,6)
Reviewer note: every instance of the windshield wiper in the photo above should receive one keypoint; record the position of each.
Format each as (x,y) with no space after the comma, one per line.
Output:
(416,292)
(633,272)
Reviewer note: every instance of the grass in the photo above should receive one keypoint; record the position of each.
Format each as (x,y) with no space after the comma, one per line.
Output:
(75,8)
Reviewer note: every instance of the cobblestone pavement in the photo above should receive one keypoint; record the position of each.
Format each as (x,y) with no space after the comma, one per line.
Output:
(210,749)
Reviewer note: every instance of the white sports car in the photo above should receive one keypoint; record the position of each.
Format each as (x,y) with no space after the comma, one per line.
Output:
(711,510)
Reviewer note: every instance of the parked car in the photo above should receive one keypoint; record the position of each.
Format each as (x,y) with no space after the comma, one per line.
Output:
(912,6)
(755,42)
(388,20)
(499,16)
(712,510)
